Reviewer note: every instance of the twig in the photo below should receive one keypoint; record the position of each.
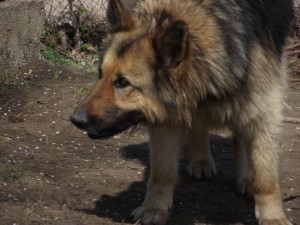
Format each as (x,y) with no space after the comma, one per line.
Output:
(291,62)
(30,103)
(291,120)
(67,55)
(47,140)
(293,53)
(7,102)
(294,46)
(287,106)
(137,222)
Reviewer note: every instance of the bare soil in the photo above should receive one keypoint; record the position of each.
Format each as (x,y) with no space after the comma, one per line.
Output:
(52,173)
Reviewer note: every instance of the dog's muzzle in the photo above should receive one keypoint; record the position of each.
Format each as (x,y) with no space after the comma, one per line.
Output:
(115,122)
(80,118)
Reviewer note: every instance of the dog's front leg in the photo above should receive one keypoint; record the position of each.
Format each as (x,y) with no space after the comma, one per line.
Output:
(165,147)
(262,143)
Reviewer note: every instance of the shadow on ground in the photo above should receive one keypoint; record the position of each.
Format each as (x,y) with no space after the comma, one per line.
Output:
(213,201)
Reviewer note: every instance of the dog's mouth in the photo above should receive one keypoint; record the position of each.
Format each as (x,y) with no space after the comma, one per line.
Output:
(102,128)
(102,134)
(102,131)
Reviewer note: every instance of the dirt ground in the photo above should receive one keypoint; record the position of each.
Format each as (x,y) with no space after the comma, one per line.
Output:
(52,173)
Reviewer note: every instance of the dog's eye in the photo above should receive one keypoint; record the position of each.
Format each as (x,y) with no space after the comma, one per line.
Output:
(121,82)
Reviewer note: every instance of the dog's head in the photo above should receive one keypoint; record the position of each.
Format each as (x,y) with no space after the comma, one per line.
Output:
(140,72)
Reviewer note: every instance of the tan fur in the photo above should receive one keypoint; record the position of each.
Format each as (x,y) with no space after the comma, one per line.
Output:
(199,93)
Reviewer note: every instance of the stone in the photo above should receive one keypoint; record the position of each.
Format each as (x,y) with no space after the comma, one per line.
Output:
(21,27)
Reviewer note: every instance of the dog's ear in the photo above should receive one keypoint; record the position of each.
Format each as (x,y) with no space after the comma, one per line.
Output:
(119,16)
(171,45)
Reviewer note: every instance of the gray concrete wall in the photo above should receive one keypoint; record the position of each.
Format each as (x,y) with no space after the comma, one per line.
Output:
(21,26)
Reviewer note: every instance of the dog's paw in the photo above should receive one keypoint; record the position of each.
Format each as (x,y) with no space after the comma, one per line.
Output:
(202,169)
(244,187)
(244,182)
(150,216)
(269,211)
(283,221)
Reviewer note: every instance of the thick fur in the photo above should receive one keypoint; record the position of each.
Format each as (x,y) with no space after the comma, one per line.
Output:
(191,66)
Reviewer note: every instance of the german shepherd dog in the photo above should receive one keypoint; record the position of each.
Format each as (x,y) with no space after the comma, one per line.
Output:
(188,66)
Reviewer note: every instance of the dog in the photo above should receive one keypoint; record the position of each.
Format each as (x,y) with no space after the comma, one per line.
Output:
(188,66)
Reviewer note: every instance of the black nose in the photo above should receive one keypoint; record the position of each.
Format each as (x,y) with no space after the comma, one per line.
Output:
(80,118)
